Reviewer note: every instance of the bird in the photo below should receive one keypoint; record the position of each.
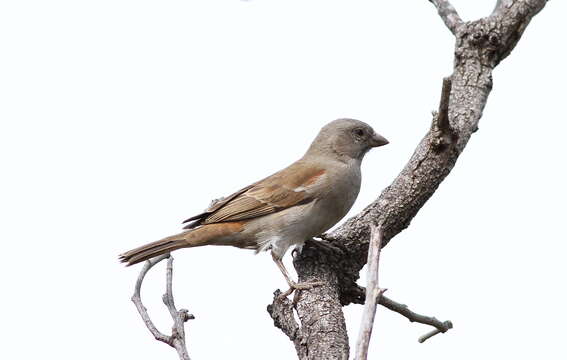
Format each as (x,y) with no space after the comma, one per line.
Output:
(286,208)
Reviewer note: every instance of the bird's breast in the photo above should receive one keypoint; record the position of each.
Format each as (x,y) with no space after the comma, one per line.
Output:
(333,197)
(342,193)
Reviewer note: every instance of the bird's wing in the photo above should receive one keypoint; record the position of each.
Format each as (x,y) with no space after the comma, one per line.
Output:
(290,187)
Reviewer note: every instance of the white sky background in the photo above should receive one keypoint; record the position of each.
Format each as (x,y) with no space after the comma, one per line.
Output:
(119,119)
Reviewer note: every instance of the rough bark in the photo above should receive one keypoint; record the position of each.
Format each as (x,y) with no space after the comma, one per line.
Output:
(319,307)
(480,46)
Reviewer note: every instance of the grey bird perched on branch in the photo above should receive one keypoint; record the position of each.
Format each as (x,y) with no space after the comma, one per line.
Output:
(295,204)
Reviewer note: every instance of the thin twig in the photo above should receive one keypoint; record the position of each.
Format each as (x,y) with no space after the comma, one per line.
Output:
(448,13)
(136,299)
(440,326)
(443,119)
(448,325)
(177,337)
(442,134)
(373,293)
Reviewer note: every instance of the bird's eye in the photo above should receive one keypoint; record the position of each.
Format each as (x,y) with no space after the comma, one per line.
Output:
(358,132)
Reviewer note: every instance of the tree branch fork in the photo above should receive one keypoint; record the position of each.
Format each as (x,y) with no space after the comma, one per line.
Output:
(480,46)
(282,309)
(179,317)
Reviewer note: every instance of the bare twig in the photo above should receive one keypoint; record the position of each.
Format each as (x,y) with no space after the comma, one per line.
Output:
(441,133)
(440,327)
(373,293)
(448,14)
(177,337)
(136,299)
(447,325)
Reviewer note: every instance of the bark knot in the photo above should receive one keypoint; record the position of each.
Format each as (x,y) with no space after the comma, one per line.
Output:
(481,40)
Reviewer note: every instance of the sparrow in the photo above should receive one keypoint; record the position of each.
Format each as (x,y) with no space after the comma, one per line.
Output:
(287,208)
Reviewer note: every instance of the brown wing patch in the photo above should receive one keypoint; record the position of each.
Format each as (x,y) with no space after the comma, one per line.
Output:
(258,202)
(196,220)
(282,190)
(312,179)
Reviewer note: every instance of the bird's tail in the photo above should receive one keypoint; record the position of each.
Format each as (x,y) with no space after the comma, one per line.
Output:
(212,234)
(153,249)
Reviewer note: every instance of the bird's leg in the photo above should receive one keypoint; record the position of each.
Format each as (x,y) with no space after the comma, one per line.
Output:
(292,284)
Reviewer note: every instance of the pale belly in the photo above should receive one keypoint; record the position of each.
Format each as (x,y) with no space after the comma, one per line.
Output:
(279,231)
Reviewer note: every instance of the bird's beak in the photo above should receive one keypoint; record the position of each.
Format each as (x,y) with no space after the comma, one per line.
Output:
(378,140)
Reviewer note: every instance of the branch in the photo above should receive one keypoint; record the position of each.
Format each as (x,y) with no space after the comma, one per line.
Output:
(499,6)
(281,311)
(502,6)
(514,17)
(442,134)
(177,337)
(373,294)
(448,13)
(470,85)
(440,327)
(480,46)
(323,333)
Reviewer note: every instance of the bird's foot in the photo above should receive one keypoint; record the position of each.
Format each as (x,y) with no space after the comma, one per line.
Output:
(300,286)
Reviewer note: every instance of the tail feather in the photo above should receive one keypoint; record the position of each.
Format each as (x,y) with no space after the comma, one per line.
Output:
(157,248)
(143,255)
(151,250)
(212,234)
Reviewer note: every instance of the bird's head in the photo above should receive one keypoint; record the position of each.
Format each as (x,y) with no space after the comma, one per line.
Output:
(346,139)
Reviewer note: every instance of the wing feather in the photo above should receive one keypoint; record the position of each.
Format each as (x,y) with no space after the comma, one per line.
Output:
(284,189)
